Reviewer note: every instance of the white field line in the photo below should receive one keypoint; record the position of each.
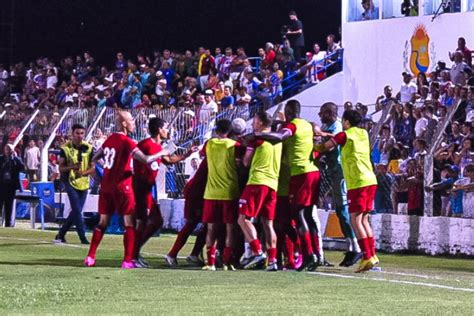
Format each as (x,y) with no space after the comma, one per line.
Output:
(432,285)
(342,276)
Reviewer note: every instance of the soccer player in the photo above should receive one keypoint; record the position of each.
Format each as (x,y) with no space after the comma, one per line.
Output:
(147,210)
(259,195)
(116,193)
(221,196)
(330,127)
(360,180)
(193,205)
(297,136)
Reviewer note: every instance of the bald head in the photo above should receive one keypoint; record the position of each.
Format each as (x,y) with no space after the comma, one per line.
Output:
(125,121)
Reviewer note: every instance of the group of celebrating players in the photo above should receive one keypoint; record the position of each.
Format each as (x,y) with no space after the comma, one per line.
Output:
(254,194)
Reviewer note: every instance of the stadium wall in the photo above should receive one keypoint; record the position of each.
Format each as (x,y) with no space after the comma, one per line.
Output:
(377,52)
(394,233)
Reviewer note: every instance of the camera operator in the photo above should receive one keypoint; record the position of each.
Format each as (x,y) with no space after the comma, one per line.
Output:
(10,167)
(295,35)
(75,166)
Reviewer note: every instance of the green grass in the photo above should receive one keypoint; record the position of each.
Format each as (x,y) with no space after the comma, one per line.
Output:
(39,277)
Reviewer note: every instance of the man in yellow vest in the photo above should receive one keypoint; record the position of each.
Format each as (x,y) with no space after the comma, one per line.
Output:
(360,180)
(297,136)
(259,196)
(221,196)
(75,166)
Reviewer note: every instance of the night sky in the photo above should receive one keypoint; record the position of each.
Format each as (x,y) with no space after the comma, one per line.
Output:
(57,28)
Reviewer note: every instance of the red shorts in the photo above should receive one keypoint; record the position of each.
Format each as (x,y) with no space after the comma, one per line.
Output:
(144,200)
(220,211)
(258,200)
(121,201)
(283,214)
(193,202)
(361,200)
(304,189)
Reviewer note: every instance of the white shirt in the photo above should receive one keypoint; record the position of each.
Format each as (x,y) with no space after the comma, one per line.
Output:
(51,82)
(458,76)
(319,56)
(206,110)
(406,91)
(420,126)
(32,159)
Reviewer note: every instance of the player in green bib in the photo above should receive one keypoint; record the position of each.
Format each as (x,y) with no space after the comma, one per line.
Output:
(221,196)
(297,137)
(360,180)
(259,196)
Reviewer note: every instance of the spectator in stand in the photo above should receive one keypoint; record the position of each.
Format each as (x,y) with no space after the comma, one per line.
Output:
(407,90)
(465,186)
(217,57)
(209,108)
(382,201)
(414,179)
(331,50)
(432,123)
(384,100)
(466,52)
(404,130)
(120,63)
(386,143)
(225,62)
(206,62)
(460,69)
(466,155)
(371,12)
(270,54)
(228,100)
(295,35)
(32,161)
(243,102)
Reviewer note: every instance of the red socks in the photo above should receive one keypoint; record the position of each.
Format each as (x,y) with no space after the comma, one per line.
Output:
(256,247)
(306,243)
(290,252)
(211,256)
(128,243)
(365,247)
(272,252)
(372,244)
(97,235)
(181,239)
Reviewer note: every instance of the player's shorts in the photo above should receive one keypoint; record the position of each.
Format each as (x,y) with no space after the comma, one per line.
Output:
(193,203)
(283,214)
(361,200)
(121,200)
(258,200)
(220,211)
(304,189)
(144,199)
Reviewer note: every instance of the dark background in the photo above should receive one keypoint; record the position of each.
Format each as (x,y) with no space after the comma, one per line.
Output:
(56,28)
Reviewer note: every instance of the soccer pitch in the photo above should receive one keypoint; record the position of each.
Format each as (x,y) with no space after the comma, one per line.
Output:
(38,277)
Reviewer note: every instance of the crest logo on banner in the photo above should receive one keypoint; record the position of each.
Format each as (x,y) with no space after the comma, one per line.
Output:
(419,52)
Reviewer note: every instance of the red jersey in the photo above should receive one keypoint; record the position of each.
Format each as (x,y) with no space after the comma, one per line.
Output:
(118,150)
(143,172)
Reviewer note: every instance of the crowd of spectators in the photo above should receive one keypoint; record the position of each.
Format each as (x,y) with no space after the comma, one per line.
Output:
(422,107)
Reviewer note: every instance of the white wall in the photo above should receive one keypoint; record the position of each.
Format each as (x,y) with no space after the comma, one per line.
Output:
(374,50)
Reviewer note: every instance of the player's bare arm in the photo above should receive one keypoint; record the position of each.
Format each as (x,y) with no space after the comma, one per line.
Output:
(140,156)
(172,159)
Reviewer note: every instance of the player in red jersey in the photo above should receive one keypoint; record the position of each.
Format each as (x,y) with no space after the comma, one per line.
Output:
(193,204)
(147,209)
(116,192)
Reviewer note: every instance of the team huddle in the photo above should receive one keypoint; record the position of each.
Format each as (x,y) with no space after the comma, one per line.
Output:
(254,194)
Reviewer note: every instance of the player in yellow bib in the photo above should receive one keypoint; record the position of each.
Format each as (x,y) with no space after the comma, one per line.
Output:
(360,180)
(297,137)
(259,196)
(221,196)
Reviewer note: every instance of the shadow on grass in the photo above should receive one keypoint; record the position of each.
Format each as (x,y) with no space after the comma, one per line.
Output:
(22,244)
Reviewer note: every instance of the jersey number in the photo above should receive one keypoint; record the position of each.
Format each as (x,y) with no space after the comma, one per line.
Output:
(109,156)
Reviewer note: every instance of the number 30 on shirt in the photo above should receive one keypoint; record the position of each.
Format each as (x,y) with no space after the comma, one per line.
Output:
(109,156)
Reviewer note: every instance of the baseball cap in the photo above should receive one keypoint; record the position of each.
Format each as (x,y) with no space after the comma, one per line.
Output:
(470,116)
(159,73)
(209,92)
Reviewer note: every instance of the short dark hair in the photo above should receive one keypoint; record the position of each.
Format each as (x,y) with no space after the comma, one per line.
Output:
(293,107)
(265,118)
(223,127)
(78,126)
(292,12)
(154,125)
(352,116)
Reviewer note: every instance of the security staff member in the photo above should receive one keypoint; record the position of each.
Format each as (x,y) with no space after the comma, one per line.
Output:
(75,166)
(10,168)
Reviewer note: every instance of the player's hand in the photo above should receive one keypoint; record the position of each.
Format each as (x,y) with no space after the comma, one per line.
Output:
(192,151)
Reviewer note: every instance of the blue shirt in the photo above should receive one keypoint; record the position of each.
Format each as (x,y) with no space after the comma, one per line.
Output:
(227,101)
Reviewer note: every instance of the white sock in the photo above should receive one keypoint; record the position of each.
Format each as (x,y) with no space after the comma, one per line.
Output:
(355,245)
(248,251)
